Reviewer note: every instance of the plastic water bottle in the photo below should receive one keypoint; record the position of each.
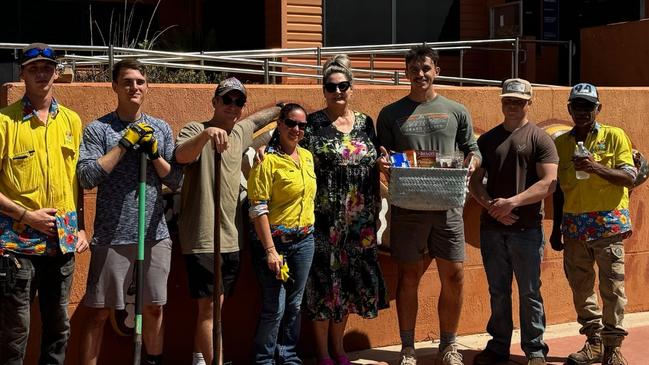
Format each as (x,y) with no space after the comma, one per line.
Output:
(581,151)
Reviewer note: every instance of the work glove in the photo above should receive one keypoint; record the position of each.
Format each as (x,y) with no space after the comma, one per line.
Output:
(283,271)
(134,134)
(149,145)
(556,240)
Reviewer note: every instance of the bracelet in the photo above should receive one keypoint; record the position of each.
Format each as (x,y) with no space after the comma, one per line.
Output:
(22,215)
(269,248)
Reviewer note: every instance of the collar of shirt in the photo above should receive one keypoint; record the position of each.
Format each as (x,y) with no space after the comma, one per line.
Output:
(593,130)
(29,110)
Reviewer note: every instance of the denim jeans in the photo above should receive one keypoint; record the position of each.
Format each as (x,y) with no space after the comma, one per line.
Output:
(518,252)
(278,329)
(51,276)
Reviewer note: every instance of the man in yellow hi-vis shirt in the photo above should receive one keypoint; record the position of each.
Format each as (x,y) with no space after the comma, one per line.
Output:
(39,226)
(591,220)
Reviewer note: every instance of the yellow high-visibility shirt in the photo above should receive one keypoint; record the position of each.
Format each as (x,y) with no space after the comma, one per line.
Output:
(38,170)
(287,188)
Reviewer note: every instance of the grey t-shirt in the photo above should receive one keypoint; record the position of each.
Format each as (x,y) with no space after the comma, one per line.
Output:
(196,223)
(116,215)
(440,124)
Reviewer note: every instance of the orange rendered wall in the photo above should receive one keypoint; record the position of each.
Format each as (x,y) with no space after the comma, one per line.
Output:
(179,104)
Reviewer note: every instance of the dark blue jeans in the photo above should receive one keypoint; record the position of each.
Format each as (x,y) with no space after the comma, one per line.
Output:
(278,329)
(52,278)
(517,252)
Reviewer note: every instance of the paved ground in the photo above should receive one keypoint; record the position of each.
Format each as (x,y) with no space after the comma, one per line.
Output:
(562,340)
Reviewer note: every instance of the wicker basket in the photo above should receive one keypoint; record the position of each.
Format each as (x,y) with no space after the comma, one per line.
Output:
(427,188)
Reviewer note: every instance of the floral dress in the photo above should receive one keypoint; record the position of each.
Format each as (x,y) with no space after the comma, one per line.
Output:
(345,275)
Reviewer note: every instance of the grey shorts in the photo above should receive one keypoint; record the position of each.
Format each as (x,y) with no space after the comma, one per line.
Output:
(111,280)
(416,234)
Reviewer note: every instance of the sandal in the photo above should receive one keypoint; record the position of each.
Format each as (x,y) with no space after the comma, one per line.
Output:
(343,360)
(326,361)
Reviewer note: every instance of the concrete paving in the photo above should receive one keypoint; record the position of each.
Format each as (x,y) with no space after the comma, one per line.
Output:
(561,338)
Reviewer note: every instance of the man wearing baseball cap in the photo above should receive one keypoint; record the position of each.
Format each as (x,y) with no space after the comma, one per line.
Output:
(197,143)
(520,162)
(39,227)
(591,221)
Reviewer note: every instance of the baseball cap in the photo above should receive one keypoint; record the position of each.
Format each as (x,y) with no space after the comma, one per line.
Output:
(229,84)
(584,91)
(36,52)
(517,88)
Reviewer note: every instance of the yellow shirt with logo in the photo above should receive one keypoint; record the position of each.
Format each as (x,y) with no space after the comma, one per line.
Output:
(287,188)
(610,147)
(38,170)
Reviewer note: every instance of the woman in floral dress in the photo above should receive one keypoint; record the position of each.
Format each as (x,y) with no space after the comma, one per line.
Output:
(345,276)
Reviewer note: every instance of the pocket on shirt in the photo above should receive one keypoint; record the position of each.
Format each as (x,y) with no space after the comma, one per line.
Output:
(606,159)
(23,168)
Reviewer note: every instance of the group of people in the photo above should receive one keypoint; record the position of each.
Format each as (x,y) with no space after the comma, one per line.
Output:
(313,202)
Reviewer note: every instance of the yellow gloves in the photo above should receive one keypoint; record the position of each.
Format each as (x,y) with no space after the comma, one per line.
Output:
(149,145)
(283,271)
(134,134)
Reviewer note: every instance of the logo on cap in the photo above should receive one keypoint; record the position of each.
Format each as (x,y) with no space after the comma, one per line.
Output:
(517,88)
(584,91)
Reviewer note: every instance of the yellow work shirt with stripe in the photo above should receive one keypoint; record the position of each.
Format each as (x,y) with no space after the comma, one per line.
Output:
(288,188)
(610,147)
(38,170)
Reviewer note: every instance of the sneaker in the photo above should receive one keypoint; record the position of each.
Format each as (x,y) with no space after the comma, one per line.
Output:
(198,359)
(488,357)
(589,354)
(536,361)
(408,356)
(613,356)
(449,356)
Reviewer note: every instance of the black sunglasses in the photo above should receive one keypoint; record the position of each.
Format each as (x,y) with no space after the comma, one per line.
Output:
(290,123)
(342,86)
(227,100)
(34,52)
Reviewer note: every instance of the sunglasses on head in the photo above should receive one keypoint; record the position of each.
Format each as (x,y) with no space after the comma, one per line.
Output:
(34,52)
(290,123)
(227,100)
(342,86)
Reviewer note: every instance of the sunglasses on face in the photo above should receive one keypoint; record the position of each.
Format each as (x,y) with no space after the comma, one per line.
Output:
(583,107)
(290,123)
(227,100)
(34,52)
(342,86)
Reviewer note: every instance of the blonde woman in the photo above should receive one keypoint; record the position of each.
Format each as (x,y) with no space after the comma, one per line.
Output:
(345,276)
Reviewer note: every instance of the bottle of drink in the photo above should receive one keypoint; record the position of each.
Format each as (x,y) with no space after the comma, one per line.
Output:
(581,151)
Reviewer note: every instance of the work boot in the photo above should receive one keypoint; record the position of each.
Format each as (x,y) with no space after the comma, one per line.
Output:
(589,354)
(449,356)
(488,357)
(536,361)
(613,356)
(408,356)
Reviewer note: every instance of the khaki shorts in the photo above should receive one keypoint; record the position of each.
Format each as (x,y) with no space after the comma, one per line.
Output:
(416,234)
(110,276)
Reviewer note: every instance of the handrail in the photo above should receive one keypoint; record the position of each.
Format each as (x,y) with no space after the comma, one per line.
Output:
(263,62)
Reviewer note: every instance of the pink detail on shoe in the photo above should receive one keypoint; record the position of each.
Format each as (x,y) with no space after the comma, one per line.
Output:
(343,360)
(326,361)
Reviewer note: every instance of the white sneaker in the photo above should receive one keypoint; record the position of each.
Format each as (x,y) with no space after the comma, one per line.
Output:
(449,356)
(198,359)
(408,356)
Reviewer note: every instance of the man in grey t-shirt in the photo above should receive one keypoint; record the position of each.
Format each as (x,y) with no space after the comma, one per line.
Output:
(196,145)
(425,120)
(109,160)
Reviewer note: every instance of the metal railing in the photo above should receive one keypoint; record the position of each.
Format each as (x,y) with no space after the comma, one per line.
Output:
(265,62)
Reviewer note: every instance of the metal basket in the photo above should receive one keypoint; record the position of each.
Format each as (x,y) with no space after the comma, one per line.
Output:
(427,188)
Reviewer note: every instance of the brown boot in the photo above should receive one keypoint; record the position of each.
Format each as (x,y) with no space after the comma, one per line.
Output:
(589,354)
(613,356)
